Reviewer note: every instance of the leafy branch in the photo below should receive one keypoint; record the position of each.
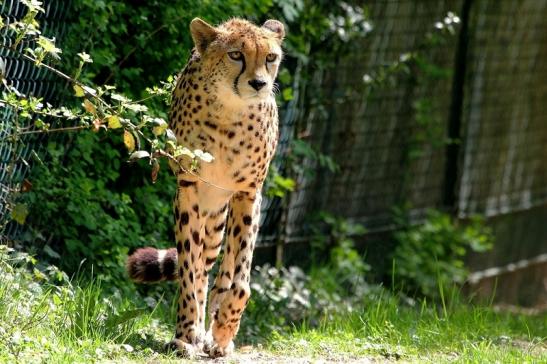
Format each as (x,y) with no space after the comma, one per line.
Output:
(102,108)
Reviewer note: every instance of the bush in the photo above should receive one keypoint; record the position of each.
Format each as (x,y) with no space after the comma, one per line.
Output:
(287,297)
(21,296)
(47,317)
(335,284)
(430,257)
(342,274)
(86,204)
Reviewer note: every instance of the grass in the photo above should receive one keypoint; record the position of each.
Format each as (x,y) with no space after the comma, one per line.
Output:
(68,322)
(387,330)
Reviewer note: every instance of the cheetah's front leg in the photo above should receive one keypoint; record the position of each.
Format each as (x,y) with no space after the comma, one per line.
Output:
(232,290)
(188,225)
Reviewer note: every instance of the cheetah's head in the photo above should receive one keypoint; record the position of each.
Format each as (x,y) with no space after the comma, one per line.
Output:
(241,58)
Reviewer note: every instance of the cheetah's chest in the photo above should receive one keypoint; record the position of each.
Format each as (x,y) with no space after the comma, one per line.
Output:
(242,143)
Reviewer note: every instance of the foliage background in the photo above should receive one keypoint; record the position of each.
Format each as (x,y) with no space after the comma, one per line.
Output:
(107,206)
(374,111)
(376,114)
(86,202)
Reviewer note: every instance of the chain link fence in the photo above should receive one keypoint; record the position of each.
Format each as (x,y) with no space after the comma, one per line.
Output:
(373,132)
(484,86)
(504,123)
(15,158)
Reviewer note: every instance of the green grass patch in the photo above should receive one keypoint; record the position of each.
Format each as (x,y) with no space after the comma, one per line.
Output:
(45,317)
(391,330)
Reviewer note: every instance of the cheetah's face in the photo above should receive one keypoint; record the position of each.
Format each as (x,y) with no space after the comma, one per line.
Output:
(243,59)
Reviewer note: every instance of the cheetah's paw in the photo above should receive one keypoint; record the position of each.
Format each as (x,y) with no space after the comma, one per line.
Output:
(182,348)
(215,351)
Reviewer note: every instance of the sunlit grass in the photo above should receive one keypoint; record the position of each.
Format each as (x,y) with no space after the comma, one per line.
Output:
(426,333)
(82,322)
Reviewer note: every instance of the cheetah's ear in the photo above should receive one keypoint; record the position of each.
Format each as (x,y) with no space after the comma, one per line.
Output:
(276,27)
(202,34)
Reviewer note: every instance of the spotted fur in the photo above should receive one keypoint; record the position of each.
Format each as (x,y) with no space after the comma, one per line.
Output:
(224,104)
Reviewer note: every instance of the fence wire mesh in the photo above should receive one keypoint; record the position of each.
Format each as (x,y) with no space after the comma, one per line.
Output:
(504,118)
(374,133)
(29,80)
(385,138)
(377,136)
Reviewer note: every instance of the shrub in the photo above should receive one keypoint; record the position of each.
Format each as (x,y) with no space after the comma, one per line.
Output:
(429,257)
(46,317)
(333,239)
(86,203)
(287,297)
(335,284)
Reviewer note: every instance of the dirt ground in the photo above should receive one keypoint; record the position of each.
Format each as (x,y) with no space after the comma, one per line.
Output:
(260,357)
(248,355)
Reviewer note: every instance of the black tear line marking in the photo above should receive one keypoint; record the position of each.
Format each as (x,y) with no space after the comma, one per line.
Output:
(240,73)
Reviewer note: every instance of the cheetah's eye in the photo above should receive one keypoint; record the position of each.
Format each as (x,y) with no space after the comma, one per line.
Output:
(235,55)
(271,57)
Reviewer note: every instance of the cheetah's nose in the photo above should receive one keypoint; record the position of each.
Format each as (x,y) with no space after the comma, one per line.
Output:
(257,84)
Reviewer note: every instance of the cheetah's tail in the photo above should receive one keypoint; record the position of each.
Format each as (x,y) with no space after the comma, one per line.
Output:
(150,265)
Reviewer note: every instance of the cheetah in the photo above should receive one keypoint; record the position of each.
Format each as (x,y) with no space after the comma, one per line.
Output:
(223,103)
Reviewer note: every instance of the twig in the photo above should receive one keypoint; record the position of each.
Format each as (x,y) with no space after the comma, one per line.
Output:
(107,106)
(46,131)
(162,153)
(63,76)
(38,112)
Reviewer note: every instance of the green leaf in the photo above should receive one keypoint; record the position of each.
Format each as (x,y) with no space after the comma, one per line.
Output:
(284,76)
(86,58)
(120,98)
(135,107)
(20,213)
(50,252)
(48,46)
(204,156)
(33,5)
(78,91)
(171,137)
(160,126)
(2,68)
(39,123)
(288,94)
(180,150)
(113,122)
